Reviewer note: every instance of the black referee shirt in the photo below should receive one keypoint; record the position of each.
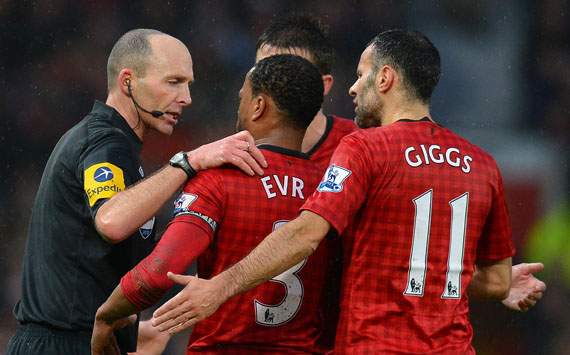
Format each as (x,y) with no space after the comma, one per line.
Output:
(69,270)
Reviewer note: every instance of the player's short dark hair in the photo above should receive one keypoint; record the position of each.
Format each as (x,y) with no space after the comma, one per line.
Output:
(294,84)
(132,50)
(304,32)
(413,55)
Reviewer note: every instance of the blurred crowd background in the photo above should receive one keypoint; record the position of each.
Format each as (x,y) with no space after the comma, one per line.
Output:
(505,85)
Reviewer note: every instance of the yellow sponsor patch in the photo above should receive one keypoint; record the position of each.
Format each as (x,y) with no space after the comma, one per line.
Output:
(102,180)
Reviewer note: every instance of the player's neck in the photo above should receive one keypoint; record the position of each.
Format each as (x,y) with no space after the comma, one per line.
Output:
(315,131)
(288,138)
(410,111)
(127,110)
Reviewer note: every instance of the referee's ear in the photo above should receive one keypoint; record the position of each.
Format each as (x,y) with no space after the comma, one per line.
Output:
(124,81)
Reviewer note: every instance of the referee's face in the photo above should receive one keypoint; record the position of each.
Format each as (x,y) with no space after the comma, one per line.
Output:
(166,84)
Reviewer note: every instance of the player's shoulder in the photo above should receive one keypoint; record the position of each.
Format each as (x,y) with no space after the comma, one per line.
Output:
(473,148)
(367,136)
(342,124)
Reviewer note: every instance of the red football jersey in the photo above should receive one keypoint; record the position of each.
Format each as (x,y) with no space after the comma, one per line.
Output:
(336,128)
(279,316)
(417,207)
(321,153)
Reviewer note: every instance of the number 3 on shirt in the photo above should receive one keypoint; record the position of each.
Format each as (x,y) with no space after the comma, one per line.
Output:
(278,314)
(418,259)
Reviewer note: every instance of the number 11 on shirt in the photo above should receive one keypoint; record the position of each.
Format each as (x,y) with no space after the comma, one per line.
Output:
(418,259)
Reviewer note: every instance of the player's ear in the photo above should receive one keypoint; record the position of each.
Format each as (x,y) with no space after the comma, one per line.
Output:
(386,78)
(260,105)
(328,81)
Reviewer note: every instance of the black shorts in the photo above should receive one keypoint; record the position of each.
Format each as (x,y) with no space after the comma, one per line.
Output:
(35,339)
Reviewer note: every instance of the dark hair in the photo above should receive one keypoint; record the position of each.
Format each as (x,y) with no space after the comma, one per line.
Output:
(300,31)
(131,51)
(294,84)
(413,55)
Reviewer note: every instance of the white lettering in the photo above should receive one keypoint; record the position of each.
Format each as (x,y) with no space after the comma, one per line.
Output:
(440,159)
(283,185)
(267,186)
(467,168)
(435,154)
(418,162)
(298,185)
(454,163)
(282,188)
(425,154)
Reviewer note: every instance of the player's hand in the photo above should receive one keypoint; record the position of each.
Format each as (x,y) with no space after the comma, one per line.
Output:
(526,289)
(198,300)
(103,341)
(150,340)
(238,149)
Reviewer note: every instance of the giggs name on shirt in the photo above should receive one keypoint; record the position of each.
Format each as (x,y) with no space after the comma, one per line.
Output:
(435,154)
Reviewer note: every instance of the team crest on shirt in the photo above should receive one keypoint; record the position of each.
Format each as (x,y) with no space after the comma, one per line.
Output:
(183,202)
(333,179)
(146,229)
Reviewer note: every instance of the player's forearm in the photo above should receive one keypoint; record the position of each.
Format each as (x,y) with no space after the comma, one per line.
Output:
(278,252)
(119,217)
(491,281)
(116,307)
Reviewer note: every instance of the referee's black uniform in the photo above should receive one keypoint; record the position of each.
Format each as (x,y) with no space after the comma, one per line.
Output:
(69,270)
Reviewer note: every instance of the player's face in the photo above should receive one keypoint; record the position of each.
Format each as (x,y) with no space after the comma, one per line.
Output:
(165,85)
(245,102)
(368,106)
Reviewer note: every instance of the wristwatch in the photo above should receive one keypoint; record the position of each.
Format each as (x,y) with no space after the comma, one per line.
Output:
(180,160)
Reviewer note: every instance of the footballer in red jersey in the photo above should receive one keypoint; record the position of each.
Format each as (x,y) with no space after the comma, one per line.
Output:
(223,214)
(282,316)
(307,37)
(421,212)
(421,217)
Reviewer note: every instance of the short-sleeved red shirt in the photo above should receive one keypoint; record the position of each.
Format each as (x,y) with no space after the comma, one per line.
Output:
(417,206)
(282,316)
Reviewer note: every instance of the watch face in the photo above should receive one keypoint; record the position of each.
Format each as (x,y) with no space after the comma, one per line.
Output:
(177,158)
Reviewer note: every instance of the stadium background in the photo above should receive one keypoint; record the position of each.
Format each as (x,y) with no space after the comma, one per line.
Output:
(504,85)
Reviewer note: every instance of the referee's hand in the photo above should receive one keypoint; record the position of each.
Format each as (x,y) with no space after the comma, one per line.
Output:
(238,149)
(103,341)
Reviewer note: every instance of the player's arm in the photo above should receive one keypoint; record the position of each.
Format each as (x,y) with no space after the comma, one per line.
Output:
(278,252)
(126,211)
(491,280)
(185,239)
(286,246)
(494,272)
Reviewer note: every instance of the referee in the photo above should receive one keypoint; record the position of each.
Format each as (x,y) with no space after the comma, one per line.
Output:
(87,229)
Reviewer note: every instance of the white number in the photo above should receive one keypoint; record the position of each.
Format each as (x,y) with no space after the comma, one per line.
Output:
(281,313)
(418,259)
